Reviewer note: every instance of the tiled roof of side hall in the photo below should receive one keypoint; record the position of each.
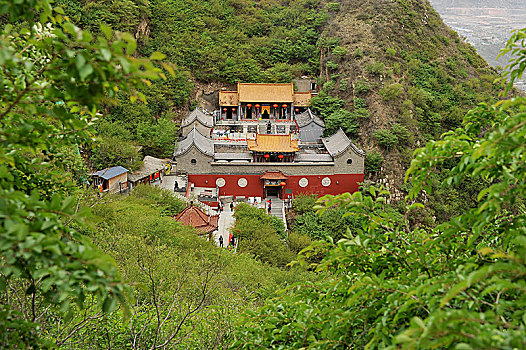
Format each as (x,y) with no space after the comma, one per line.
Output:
(199,115)
(110,173)
(307,117)
(338,143)
(150,166)
(194,137)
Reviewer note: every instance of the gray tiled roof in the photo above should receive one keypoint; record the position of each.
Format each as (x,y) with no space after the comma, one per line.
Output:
(197,114)
(312,157)
(194,137)
(308,117)
(339,143)
(150,166)
(233,156)
(110,173)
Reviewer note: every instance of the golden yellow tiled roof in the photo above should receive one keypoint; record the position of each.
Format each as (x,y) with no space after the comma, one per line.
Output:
(228,98)
(302,99)
(280,93)
(273,143)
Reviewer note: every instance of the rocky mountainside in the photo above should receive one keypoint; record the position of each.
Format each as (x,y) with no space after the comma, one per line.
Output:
(414,76)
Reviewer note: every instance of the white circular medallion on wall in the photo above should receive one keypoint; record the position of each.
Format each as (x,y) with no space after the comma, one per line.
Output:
(242,182)
(220,182)
(326,181)
(303,182)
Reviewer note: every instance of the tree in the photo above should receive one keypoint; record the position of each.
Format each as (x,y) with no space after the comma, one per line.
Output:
(458,285)
(53,78)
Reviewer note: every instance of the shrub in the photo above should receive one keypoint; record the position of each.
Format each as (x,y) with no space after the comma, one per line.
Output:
(304,203)
(341,119)
(343,85)
(339,51)
(358,53)
(325,105)
(333,6)
(377,68)
(361,113)
(390,52)
(392,91)
(401,132)
(359,103)
(332,65)
(373,162)
(385,138)
(361,86)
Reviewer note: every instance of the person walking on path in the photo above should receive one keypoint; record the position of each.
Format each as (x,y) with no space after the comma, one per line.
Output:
(221,241)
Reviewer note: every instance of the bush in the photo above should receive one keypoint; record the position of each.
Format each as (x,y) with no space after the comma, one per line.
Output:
(361,86)
(359,103)
(401,132)
(339,51)
(377,68)
(358,53)
(333,6)
(332,65)
(325,105)
(390,52)
(341,119)
(361,113)
(392,91)
(385,138)
(373,162)
(304,203)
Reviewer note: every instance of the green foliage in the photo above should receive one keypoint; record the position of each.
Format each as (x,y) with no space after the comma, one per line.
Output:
(373,162)
(341,119)
(390,52)
(361,113)
(339,51)
(333,6)
(390,92)
(112,151)
(158,138)
(304,203)
(173,271)
(459,285)
(358,53)
(359,103)
(401,133)
(261,235)
(385,138)
(376,68)
(361,86)
(326,105)
(54,77)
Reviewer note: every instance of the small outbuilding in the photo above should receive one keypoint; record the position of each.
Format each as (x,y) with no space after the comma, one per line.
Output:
(197,218)
(112,180)
(151,172)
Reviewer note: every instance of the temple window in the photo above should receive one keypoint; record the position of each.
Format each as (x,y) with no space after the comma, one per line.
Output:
(193,161)
(349,161)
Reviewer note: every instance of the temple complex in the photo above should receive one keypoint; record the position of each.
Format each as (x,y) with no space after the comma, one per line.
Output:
(265,141)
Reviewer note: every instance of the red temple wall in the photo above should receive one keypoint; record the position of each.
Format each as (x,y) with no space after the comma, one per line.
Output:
(340,183)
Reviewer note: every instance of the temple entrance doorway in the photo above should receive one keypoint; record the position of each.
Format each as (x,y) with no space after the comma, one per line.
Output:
(272,191)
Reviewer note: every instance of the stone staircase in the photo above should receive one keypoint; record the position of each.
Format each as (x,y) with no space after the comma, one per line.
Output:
(278,210)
